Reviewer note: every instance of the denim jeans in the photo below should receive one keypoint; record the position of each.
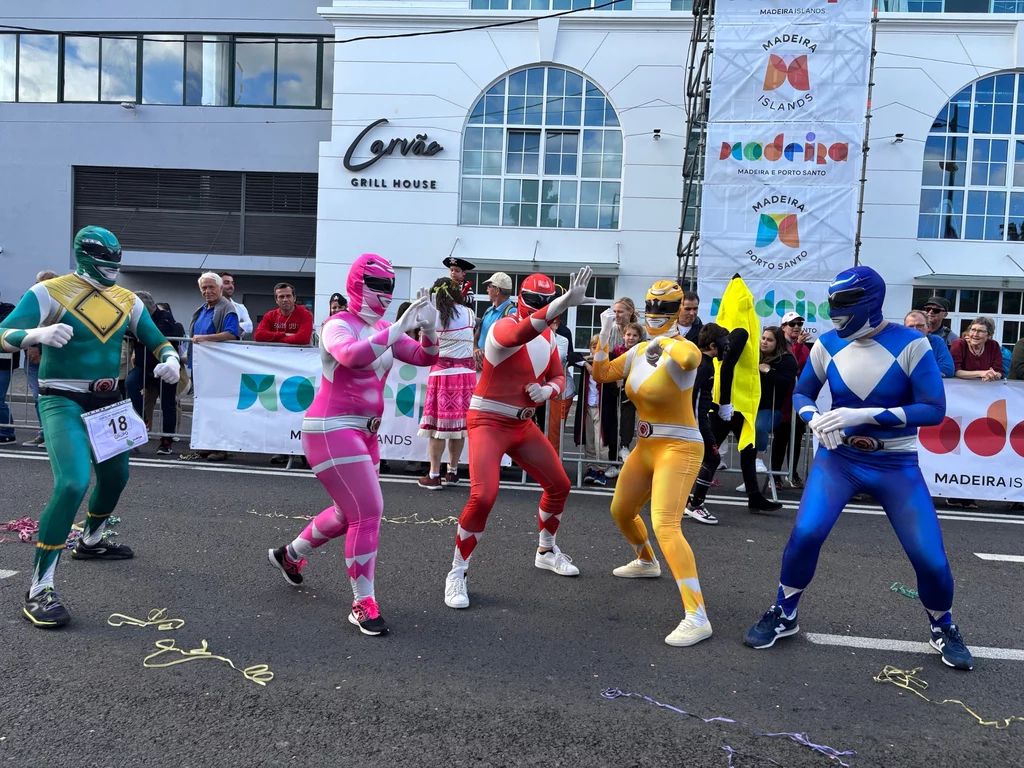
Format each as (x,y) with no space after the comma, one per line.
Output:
(5,411)
(32,375)
(764,425)
(134,384)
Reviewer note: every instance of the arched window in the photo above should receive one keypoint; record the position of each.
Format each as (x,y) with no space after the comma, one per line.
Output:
(972,185)
(543,148)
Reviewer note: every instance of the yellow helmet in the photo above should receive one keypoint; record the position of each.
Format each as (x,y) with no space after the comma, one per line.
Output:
(661,309)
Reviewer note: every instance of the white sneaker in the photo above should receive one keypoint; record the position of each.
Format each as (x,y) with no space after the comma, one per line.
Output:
(638,569)
(741,488)
(455,594)
(688,634)
(556,561)
(760,467)
(701,514)
(612,471)
(624,453)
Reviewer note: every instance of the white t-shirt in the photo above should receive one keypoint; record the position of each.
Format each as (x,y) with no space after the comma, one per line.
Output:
(593,397)
(456,341)
(244,321)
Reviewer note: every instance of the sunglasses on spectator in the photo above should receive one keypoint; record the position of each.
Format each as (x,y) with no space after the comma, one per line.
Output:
(934,310)
(797,324)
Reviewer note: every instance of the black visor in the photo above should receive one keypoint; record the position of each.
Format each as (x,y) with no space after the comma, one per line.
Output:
(844,299)
(100,252)
(380,284)
(536,300)
(659,307)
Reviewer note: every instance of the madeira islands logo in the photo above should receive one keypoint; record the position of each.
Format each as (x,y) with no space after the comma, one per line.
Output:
(782,157)
(787,77)
(777,241)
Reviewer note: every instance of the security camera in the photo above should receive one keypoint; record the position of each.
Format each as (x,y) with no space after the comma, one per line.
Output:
(128,104)
(898,139)
(657,133)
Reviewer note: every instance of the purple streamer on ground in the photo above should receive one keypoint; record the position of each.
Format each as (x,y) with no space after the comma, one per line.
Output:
(736,753)
(24,527)
(797,738)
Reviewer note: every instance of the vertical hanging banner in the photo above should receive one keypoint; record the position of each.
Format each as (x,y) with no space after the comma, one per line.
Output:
(789,91)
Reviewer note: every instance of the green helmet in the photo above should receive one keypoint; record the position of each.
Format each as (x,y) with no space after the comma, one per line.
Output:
(98,255)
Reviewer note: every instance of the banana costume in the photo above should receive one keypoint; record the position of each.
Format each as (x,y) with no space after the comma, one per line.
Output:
(737,311)
(659,377)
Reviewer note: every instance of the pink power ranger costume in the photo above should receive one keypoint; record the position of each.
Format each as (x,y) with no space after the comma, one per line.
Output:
(339,433)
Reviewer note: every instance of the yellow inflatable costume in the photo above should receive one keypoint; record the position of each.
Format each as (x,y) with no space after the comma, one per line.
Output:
(659,377)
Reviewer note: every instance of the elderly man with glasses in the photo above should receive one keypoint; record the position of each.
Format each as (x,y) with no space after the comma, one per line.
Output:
(936,309)
(919,321)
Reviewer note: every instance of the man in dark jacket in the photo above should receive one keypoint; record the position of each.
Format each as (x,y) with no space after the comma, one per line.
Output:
(142,377)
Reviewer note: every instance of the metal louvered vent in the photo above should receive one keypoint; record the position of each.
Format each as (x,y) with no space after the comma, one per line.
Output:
(184,211)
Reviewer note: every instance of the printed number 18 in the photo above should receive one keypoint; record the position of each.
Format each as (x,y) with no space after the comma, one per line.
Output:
(120,426)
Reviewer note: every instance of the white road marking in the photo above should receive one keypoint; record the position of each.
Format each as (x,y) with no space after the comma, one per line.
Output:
(7,574)
(727,501)
(880,644)
(1003,558)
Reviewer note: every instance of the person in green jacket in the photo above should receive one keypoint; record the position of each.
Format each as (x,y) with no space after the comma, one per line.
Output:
(80,320)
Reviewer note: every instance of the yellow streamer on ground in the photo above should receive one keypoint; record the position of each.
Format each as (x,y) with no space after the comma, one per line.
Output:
(157,617)
(258,673)
(909,681)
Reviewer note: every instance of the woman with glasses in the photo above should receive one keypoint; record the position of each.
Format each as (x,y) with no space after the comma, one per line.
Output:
(977,355)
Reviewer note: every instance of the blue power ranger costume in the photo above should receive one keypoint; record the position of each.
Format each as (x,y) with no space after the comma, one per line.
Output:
(885,383)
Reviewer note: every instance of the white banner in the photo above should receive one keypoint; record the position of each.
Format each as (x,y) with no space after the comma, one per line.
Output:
(790,73)
(772,300)
(252,399)
(978,450)
(804,154)
(815,11)
(776,233)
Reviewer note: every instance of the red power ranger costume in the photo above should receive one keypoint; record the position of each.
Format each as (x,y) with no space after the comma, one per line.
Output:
(521,369)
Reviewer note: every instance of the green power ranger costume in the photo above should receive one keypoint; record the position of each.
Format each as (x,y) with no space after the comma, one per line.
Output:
(80,319)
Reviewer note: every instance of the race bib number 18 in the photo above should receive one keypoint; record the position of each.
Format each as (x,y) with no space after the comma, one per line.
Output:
(114,430)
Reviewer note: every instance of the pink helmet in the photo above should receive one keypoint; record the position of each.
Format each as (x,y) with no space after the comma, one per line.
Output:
(371,283)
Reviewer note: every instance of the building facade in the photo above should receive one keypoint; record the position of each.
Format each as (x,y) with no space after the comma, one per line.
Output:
(191,130)
(559,142)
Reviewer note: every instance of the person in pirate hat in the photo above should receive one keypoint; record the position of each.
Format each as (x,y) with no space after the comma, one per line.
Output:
(457,269)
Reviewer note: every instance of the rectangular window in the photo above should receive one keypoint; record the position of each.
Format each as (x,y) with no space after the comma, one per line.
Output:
(8,67)
(296,73)
(37,68)
(523,154)
(254,72)
(521,198)
(327,86)
(207,70)
(558,204)
(119,61)
(81,68)
(599,204)
(561,149)
(681,5)
(481,201)
(163,69)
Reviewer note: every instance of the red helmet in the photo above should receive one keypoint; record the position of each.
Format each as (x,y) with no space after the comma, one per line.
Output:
(536,292)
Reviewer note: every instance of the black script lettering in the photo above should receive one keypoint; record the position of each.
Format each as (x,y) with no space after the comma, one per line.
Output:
(378,149)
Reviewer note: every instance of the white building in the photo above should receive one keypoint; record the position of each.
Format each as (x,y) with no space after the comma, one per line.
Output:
(559,142)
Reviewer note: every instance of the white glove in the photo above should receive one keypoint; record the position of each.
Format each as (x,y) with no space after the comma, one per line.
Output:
(168,371)
(841,418)
(607,323)
(831,439)
(726,412)
(428,312)
(653,351)
(538,393)
(575,295)
(51,336)
(411,318)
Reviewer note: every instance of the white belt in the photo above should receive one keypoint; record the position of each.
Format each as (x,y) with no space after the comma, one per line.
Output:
(322,425)
(872,444)
(673,431)
(503,409)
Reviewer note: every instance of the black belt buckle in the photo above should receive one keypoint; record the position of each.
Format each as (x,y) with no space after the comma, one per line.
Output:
(644,429)
(102,386)
(863,443)
(525,414)
(373,425)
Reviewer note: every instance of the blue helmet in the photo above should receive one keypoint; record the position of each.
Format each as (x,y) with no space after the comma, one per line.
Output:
(855,300)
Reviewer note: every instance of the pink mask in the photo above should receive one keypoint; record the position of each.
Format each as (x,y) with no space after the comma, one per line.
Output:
(371,284)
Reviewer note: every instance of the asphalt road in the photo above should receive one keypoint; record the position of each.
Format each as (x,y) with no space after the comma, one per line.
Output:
(516,680)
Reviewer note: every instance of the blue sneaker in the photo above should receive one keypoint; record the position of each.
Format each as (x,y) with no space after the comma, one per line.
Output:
(600,479)
(947,641)
(770,628)
(590,477)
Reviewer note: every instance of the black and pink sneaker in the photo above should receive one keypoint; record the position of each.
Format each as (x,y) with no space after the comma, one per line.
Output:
(366,616)
(291,570)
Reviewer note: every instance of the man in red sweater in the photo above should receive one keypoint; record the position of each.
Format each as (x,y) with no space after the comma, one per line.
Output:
(290,323)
